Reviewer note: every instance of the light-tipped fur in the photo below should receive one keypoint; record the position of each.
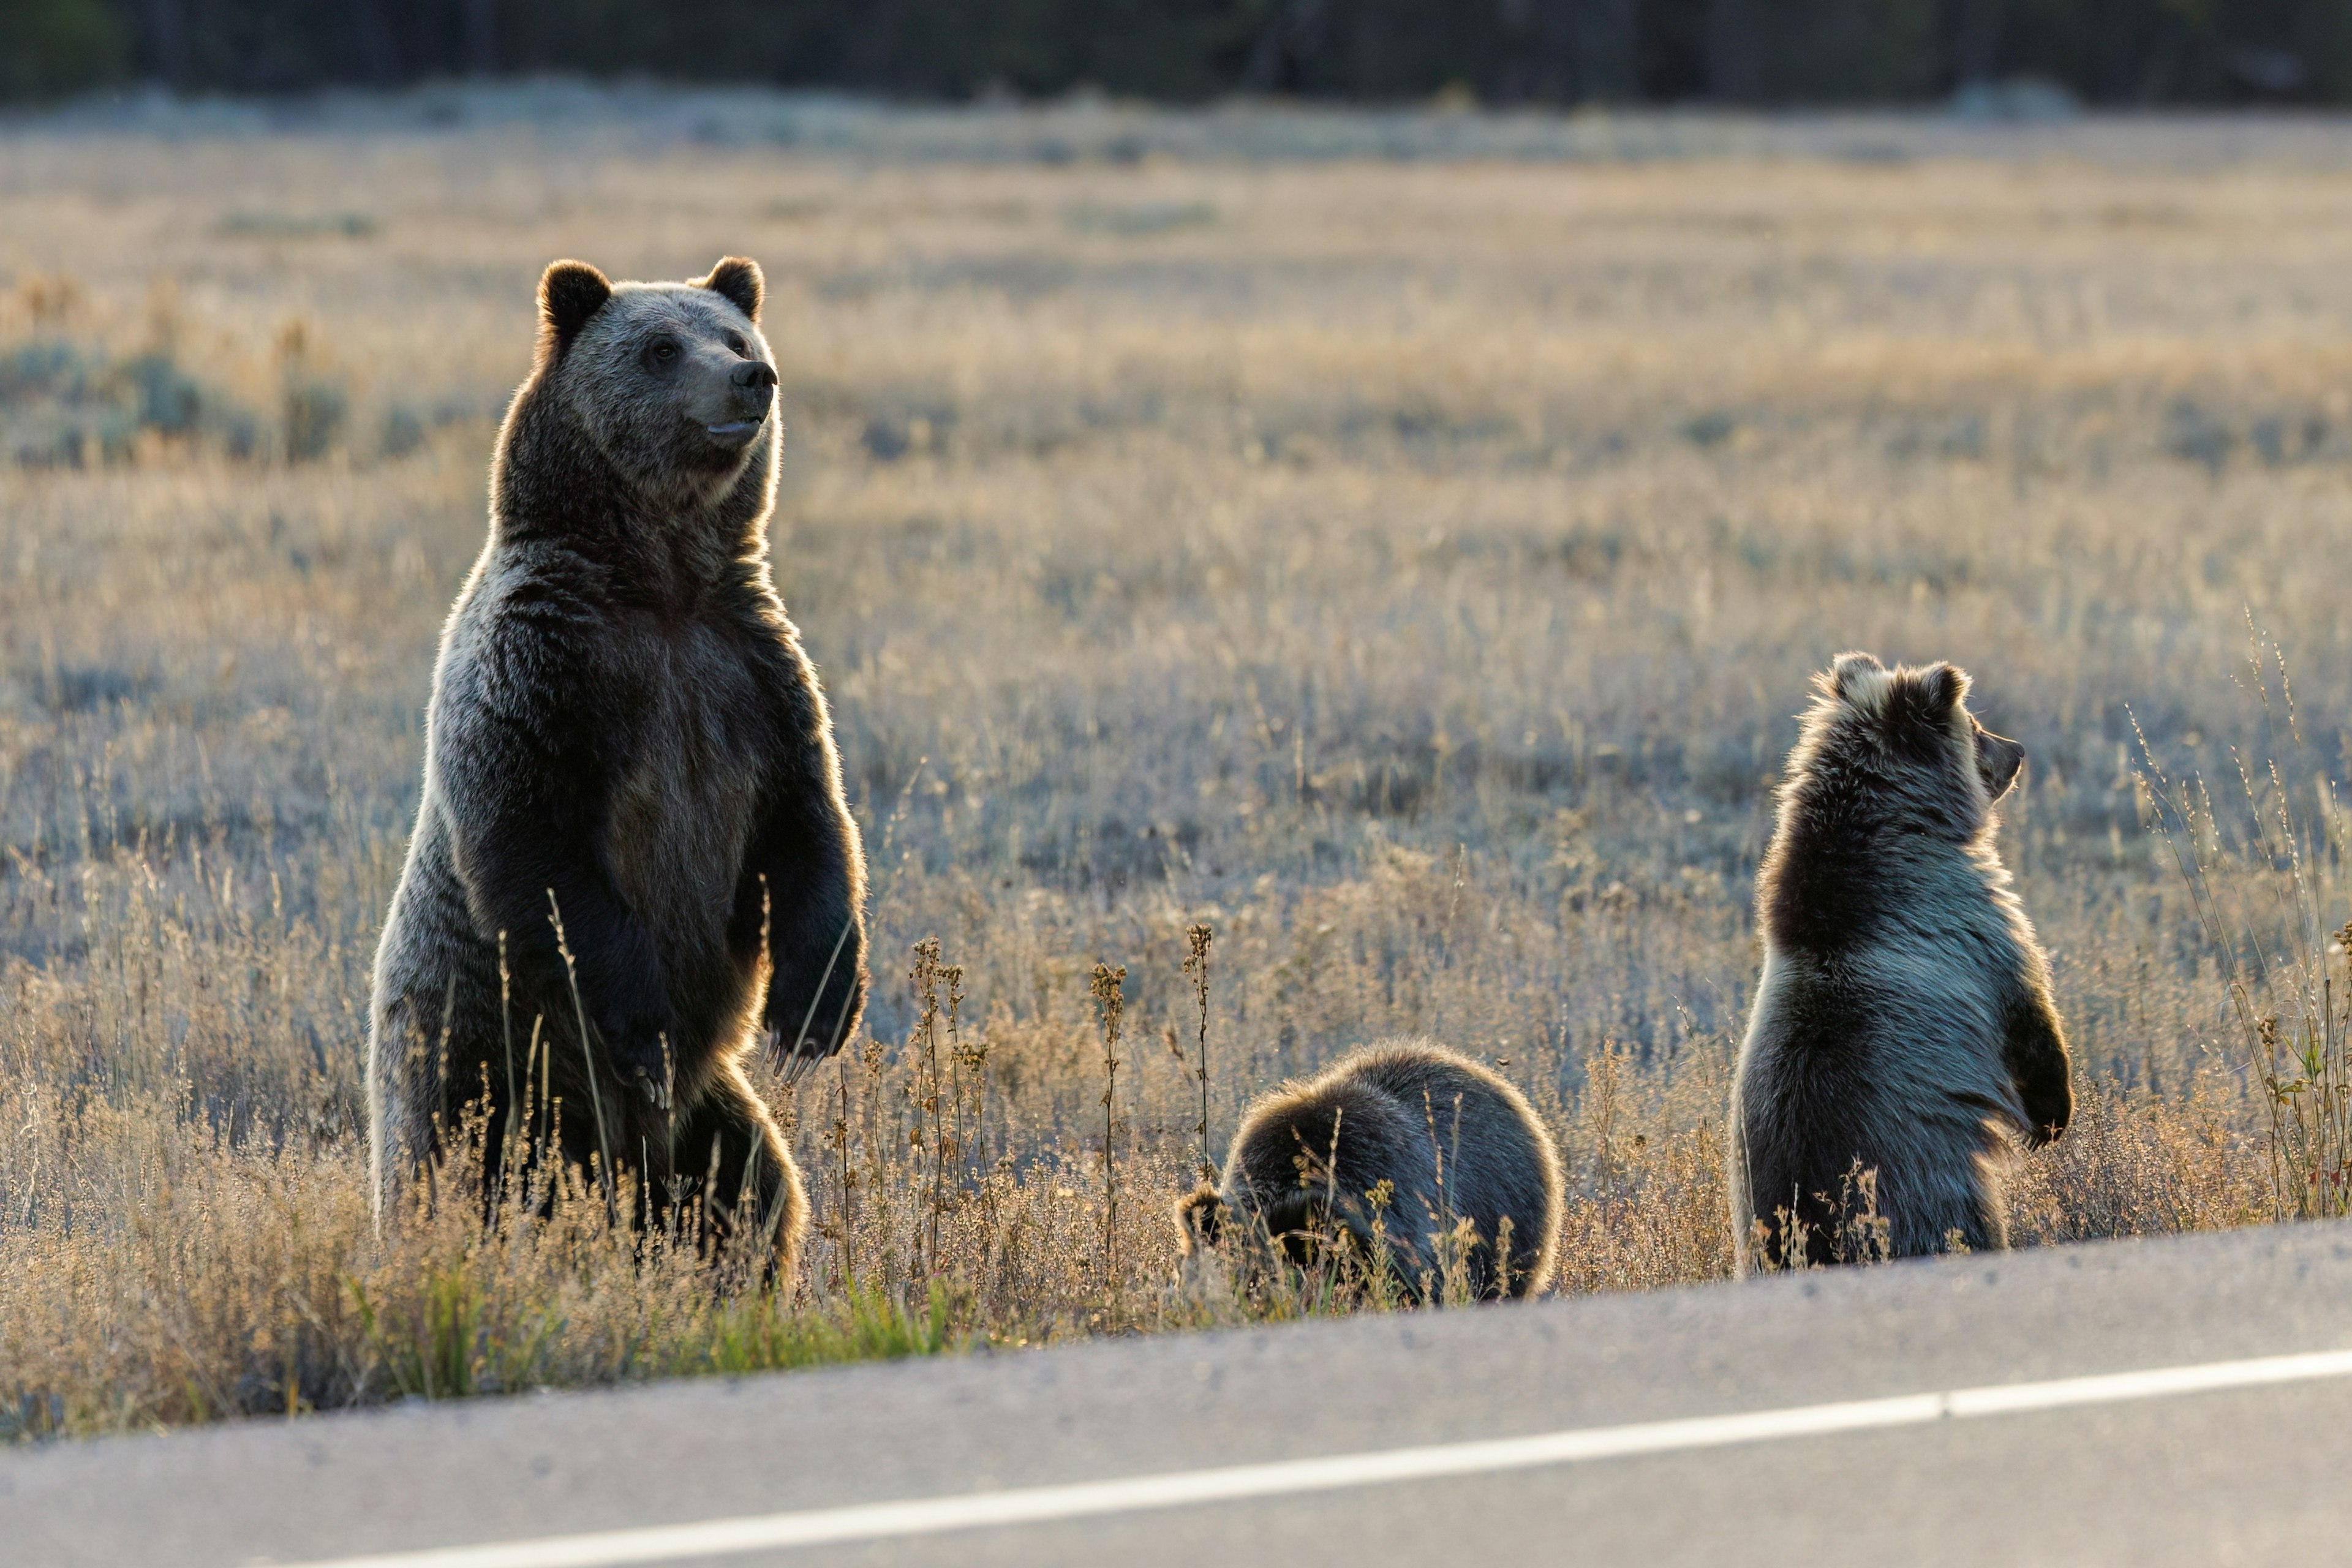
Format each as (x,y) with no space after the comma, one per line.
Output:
(1451,1140)
(1903,1024)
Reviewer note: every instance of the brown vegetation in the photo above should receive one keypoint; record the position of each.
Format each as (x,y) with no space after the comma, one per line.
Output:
(1408,572)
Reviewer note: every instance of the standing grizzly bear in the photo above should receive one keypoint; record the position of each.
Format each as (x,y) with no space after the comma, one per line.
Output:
(1452,1142)
(632,802)
(1903,1024)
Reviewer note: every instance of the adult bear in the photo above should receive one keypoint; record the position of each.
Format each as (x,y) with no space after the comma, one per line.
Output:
(1903,1024)
(632,802)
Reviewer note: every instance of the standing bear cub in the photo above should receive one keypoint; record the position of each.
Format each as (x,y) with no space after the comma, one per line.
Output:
(1903,1024)
(632,867)
(1400,1143)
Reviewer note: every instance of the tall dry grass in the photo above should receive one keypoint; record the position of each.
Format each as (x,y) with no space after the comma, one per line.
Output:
(1407,573)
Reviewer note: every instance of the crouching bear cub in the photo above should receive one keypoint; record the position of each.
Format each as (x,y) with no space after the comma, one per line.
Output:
(1903,1024)
(1450,1139)
(626,736)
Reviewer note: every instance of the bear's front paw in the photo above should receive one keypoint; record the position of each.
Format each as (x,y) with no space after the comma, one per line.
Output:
(792,1052)
(654,1091)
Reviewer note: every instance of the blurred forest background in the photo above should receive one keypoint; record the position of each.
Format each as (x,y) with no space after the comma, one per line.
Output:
(1748,52)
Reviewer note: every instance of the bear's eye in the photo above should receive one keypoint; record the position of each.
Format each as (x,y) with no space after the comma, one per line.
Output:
(663,349)
(735,342)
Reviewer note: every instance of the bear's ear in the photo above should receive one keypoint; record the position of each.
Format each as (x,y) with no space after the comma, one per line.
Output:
(1199,1217)
(569,293)
(1847,672)
(1943,687)
(737,280)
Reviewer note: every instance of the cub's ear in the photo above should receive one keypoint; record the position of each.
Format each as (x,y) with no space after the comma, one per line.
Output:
(1199,1217)
(1846,671)
(737,280)
(569,293)
(1943,687)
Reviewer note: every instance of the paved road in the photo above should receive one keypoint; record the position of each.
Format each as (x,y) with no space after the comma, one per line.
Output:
(2235,1474)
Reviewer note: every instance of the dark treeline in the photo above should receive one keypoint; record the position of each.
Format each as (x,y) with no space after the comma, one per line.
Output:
(1505,51)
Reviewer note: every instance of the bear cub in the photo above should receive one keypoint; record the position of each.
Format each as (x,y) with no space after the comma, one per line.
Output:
(1407,1138)
(632,867)
(1903,1024)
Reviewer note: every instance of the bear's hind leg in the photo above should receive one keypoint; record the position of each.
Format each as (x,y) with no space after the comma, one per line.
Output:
(1957,1205)
(728,1153)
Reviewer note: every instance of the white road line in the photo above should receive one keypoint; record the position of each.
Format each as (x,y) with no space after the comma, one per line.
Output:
(1035,1505)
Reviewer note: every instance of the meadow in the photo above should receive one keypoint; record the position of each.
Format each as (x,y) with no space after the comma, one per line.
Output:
(1396,544)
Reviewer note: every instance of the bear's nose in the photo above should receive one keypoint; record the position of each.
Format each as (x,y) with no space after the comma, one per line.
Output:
(753,377)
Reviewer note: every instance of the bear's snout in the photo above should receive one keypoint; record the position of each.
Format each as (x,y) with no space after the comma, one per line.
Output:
(752,386)
(750,390)
(1998,759)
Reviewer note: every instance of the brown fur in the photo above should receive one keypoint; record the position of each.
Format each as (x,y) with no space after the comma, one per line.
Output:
(1904,1023)
(625,734)
(1453,1140)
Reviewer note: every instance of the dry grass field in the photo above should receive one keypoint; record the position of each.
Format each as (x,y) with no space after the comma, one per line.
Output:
(1407,568)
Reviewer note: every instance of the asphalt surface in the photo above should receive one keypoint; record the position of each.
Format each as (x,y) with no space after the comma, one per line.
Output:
(2244,1474)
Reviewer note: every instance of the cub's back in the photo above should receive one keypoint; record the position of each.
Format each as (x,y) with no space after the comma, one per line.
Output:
(1496,1157)
(1447,1095)
(1912,1002)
